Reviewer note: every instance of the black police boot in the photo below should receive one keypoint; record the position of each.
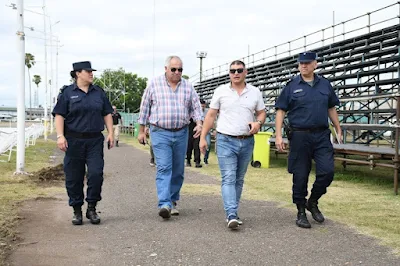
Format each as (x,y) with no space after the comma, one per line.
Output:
(77,218)
(302,217)
(312,206)
(91,213)
(116,144)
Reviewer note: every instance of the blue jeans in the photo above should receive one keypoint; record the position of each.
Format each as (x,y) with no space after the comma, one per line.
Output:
(234,156)
(208,139)
(169,150)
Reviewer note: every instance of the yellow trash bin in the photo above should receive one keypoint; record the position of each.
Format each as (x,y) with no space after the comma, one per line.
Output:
(261,150)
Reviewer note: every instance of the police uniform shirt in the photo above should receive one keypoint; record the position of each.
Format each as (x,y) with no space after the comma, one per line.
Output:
(116,118)
(307,106)
(83,112)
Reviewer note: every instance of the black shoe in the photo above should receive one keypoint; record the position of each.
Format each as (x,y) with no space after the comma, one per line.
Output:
(91,214)
(152,163)
(205,161)
(302,220)
(165,212)
(198,165)
(77,218)
(188,164)
(116,144)
(312,206)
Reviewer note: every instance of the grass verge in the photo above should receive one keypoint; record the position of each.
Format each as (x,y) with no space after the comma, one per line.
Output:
(358,197)
(16,188)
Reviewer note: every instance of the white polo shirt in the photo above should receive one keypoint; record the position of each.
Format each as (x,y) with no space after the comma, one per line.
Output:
(236,111)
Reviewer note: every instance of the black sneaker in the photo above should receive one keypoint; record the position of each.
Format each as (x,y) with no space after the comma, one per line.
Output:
(165,212)
(152,162)
(233,222)
(188,164)
(198,165)
(205,161)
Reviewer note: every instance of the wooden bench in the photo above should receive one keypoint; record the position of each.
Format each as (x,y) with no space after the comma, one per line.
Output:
(372,154)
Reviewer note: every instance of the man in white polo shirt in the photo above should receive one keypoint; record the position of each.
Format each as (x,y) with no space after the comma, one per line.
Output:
(237,103)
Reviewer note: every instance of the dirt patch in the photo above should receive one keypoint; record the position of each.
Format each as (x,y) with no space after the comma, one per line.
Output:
(49,174)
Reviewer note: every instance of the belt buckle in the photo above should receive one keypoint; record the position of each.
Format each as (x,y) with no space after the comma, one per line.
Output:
(241,137)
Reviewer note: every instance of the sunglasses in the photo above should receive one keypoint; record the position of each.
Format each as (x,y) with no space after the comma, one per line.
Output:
(239,70)
(175,69)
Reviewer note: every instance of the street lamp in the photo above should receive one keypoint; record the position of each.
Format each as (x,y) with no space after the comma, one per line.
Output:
(21,90)
(201,55)
(51,74)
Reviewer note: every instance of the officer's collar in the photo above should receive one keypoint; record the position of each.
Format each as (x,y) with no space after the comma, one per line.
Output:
(91,87)
(300,79)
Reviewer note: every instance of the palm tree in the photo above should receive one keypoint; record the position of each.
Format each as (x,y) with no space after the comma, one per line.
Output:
(37,79)
(29,62)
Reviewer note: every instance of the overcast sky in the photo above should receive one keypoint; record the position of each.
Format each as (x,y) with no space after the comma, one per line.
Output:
(131,33)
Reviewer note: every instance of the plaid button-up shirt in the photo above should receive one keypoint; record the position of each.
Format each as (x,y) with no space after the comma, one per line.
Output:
(163,107)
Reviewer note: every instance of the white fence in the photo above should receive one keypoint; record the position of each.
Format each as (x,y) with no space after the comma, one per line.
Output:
(8,139)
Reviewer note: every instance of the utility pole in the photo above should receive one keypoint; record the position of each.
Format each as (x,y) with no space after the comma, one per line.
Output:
(51,74)
(201,55)
(45,71)
(20,167)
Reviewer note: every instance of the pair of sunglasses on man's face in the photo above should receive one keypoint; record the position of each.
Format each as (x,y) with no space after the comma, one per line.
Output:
(175,69)
(239,70)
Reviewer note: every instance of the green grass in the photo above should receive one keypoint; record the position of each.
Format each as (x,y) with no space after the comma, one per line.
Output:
(358,197)
(16,188)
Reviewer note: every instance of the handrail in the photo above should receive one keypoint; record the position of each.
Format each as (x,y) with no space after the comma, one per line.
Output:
(252,59)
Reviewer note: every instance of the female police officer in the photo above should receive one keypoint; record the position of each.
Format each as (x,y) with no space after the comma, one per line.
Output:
(81,111)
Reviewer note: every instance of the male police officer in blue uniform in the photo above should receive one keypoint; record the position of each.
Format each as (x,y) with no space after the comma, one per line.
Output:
(309,100)
(81,111)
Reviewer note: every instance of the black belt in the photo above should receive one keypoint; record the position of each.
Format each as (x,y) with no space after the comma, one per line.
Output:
(236,137)
(83,135)
(314,129)
(170,129)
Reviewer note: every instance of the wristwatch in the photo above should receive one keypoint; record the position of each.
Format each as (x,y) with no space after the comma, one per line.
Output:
(59,136)
(259,121)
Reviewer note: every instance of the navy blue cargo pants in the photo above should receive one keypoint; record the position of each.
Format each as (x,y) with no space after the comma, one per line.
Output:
(81,153)
(305,146)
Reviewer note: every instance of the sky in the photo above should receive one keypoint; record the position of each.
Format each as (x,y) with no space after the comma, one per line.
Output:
(138,35)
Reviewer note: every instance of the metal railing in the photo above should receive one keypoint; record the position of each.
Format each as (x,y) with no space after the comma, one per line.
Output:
(340,31)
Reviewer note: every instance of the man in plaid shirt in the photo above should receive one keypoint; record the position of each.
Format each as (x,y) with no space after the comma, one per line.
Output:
(167,105)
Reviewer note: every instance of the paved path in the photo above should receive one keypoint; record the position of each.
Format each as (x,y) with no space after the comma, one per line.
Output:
(131,232)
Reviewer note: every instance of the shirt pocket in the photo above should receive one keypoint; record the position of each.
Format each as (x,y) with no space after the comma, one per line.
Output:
(299,96)
(75,104)
(98,104)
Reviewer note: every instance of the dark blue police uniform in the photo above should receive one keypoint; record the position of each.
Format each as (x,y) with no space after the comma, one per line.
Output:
(307,111)
(83,123)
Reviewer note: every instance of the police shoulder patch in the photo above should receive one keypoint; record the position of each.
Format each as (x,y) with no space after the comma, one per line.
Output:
(62,89)
(98,87)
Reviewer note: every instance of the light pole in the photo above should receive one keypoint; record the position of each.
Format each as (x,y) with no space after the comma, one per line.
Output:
(45,71)
(20,167)
(51,74)
(201,55)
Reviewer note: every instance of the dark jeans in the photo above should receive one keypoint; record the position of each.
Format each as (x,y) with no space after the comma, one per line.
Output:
(193,144)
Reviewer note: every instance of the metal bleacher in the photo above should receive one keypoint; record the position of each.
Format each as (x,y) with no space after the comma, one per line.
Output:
(364,70)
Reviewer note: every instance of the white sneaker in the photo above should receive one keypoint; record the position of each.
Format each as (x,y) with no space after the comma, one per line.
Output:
(240,222)
(174,210)
(233,224)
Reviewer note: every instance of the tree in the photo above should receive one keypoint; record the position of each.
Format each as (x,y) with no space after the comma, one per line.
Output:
(185,77)
(37,79)
(124,89)
(29,63)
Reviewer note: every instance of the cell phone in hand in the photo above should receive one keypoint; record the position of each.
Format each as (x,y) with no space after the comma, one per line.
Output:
(108,144)
(250,126)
